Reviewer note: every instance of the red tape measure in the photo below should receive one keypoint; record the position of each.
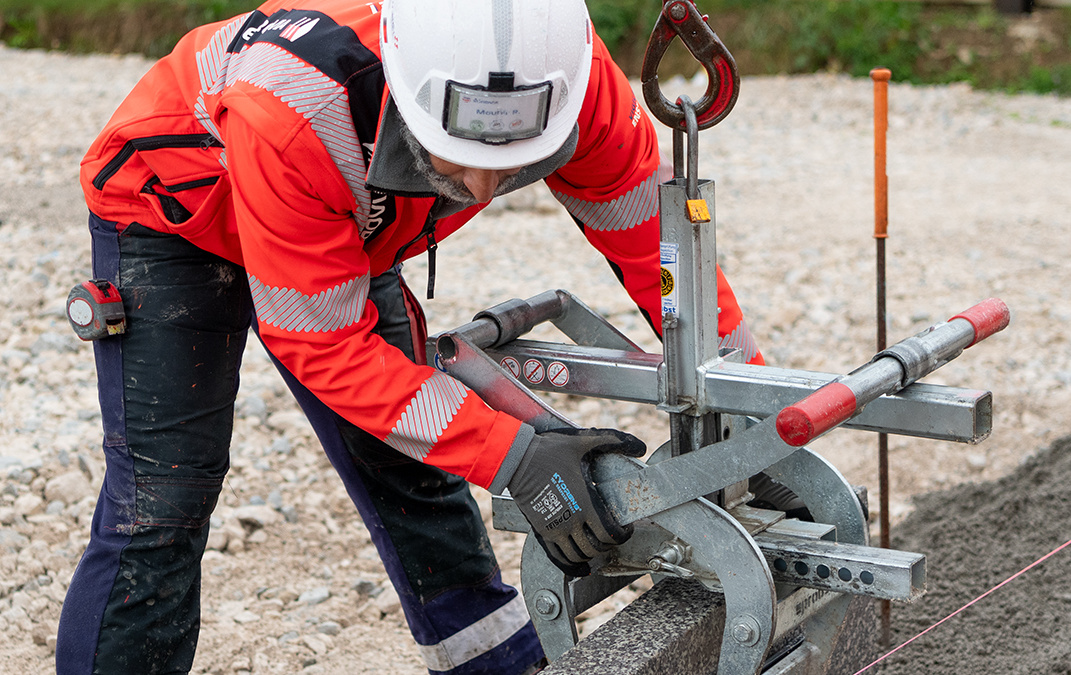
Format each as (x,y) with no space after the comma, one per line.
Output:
(95,310)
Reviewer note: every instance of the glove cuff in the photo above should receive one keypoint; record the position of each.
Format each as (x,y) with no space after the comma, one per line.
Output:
(509,464)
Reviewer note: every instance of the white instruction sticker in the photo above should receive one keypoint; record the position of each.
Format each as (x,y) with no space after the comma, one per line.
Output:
(669,278)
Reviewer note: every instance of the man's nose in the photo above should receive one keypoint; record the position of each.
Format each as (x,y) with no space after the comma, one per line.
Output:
(483,182)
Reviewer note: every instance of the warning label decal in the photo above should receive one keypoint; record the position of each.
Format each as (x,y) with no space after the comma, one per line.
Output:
(558,374)
(668,256)
(512,365)
(533,371)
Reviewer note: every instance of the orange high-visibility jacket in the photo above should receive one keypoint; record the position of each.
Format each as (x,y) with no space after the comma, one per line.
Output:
(252,140)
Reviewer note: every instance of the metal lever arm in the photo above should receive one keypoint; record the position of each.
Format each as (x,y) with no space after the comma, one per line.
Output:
(889,372)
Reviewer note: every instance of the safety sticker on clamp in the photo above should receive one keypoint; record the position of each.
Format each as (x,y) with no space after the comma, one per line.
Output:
(533,371)
(668,257)
(558,374)
(512,365)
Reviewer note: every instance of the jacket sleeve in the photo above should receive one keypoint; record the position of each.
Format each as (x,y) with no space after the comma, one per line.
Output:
(610,187)
(309,275)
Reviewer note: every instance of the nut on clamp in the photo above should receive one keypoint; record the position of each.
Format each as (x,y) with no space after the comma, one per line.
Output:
(670,559)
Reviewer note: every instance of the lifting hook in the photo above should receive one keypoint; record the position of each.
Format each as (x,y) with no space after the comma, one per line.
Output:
(682,18)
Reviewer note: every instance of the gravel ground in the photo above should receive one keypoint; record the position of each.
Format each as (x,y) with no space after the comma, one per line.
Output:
(979,206)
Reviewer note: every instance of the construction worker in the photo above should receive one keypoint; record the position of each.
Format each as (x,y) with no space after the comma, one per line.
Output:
(275,170)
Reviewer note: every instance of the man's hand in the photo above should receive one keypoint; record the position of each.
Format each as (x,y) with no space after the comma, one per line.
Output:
(554,490)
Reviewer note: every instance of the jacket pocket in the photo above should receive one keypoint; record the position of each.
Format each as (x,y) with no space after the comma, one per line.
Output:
(151,143)
(175,201)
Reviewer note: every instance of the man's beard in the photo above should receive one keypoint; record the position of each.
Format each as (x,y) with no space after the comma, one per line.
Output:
(453,190)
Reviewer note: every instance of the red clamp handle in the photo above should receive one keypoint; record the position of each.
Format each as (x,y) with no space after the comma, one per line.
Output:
(816,414)
(987,317)
(836,402)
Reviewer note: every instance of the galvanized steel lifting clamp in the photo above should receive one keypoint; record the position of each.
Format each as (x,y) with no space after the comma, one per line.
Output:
(786,583)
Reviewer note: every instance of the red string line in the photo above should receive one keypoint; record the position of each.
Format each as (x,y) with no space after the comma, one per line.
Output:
(991,590)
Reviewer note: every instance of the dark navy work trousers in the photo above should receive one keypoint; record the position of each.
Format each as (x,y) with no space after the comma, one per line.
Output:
(167,390)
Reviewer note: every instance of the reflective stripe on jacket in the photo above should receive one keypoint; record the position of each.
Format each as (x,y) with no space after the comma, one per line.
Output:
(252,140)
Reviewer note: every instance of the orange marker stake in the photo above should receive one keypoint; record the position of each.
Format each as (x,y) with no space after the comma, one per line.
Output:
(881,77)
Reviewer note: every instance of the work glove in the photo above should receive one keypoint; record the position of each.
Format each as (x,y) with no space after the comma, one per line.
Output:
(554,489)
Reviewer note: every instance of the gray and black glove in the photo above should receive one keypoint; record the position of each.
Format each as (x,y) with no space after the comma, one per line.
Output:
(554,489)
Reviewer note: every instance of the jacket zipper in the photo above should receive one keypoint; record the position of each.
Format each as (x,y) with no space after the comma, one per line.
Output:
(432,246)
(178,187)
(203,141)
(427,232)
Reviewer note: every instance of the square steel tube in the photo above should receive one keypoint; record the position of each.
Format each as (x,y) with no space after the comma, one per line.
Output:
(922,410)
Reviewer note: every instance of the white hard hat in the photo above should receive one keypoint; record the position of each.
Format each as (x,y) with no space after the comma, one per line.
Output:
(489,84)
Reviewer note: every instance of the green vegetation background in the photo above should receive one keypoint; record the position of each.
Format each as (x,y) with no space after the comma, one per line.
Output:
(920,43)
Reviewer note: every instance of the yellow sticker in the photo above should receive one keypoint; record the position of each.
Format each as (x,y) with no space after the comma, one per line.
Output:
(667,282)
(698,211)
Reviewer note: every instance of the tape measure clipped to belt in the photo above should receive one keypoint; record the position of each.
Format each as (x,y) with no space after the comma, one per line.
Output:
(95,310)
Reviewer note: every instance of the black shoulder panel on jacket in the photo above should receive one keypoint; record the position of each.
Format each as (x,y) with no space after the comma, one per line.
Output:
(333,49)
